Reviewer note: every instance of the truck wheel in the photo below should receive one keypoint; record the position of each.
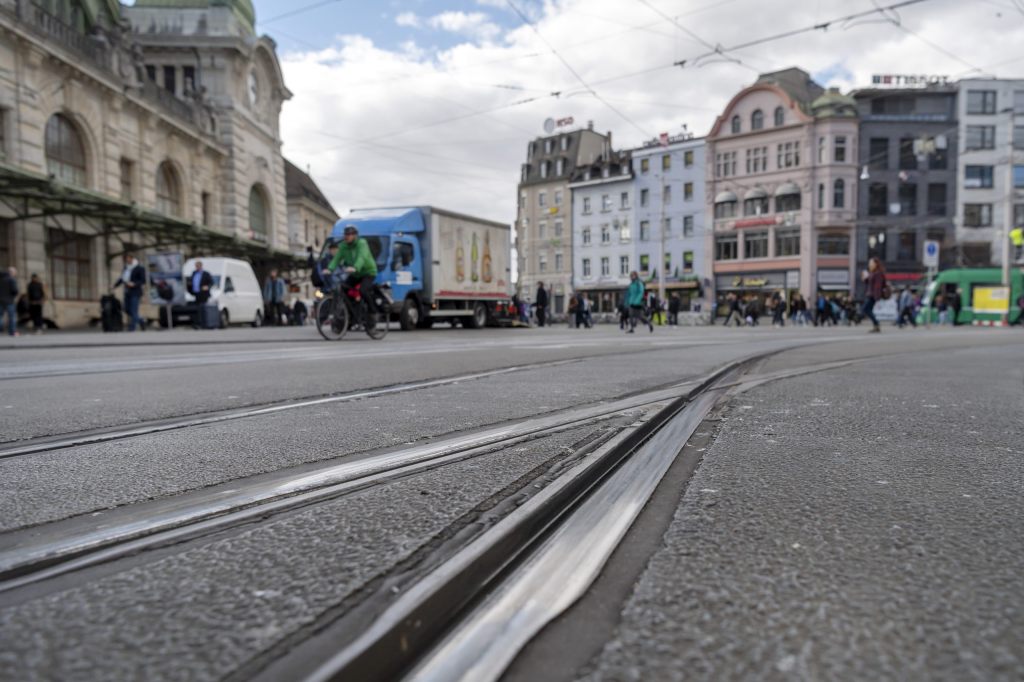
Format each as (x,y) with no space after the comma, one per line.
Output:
(225,320)
(409,317)
(479,318)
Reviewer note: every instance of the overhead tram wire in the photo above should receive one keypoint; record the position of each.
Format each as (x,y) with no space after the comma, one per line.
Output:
(300,10)
(569,67)
(693,35)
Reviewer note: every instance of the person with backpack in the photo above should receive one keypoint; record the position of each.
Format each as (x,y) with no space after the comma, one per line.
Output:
(875,289)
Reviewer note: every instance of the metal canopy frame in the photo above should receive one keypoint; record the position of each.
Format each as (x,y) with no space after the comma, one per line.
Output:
(31,196)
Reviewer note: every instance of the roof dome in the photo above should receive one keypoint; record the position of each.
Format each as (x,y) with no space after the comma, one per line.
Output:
(834,103)
(242,9)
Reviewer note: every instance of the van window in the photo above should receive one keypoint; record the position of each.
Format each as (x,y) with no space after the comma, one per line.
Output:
(402,255)
(229,286)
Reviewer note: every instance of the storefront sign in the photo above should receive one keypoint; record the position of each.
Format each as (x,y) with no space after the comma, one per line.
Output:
(901,80)
(761,280)
(834,279)
(757,222)
(793,279)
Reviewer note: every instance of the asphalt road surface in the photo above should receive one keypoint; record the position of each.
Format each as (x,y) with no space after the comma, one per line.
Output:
(851,509)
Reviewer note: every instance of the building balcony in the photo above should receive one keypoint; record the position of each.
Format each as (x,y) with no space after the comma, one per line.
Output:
(93,48)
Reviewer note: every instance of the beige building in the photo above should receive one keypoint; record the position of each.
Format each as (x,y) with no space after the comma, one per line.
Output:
(310,217)
(782,174)
(151,128)
(544,218)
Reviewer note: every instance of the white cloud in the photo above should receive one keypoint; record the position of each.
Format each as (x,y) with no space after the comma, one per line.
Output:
(473,24)
(363,117)
(408,19)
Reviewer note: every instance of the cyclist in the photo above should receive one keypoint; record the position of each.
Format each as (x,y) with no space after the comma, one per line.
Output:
(357,262)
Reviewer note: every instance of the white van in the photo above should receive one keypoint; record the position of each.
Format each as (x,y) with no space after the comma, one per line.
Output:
(235,290)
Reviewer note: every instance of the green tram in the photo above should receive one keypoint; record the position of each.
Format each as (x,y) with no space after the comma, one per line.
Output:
(980,290)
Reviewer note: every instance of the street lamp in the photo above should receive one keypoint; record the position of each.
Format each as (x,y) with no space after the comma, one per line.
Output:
(1008,217)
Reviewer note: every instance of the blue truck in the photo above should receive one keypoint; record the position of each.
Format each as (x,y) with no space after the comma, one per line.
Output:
(441,266)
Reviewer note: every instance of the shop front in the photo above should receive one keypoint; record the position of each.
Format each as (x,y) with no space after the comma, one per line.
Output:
(834,282)
(750,286)
(689,292)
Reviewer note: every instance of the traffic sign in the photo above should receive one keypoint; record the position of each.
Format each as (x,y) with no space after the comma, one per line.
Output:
(931,254)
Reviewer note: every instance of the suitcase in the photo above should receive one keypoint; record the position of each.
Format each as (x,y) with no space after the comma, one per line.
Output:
(209,316)
(111,315)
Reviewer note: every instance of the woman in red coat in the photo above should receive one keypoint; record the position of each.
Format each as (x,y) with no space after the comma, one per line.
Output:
(874,286)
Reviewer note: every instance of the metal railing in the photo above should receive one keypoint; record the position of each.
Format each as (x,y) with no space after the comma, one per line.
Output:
(55,29)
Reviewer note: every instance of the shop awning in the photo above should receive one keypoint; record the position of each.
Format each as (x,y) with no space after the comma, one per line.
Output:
(725,197)
(31,196)
(787,188)
(756,193)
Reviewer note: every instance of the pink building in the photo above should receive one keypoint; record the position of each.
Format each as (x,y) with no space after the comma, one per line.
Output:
(782,174)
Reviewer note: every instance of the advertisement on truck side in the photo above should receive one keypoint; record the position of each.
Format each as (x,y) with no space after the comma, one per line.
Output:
(474,259)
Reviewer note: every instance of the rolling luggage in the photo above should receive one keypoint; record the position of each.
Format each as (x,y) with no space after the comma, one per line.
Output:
(111,316)
(209,316)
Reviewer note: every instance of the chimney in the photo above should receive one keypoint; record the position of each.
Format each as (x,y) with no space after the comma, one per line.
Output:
(590,125)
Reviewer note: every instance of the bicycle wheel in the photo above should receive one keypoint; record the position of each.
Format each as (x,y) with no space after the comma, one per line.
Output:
(377,331)
(331,318)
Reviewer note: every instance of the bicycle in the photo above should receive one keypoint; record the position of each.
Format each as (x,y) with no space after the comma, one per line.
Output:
(342,308)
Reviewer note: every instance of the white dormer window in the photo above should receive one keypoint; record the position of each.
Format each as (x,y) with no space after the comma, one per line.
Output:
(605,172)
(549,146)
(565,144)
(544,169)
(559,166)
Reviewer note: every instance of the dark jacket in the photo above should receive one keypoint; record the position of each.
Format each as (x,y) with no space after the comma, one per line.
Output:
(137,277)
(8,289)
(875,284)
(36,293)
(542,298)
(205,280)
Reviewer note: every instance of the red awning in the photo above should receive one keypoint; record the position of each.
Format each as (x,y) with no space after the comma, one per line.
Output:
(904,276)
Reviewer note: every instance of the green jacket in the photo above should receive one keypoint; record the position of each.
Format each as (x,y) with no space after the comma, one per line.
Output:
(635,293)
(355,255)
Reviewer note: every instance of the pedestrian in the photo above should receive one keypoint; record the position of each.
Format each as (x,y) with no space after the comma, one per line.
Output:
(541,304)
(623,315)
(956,303)
(822,313)
(133,278)
(36,298)
(733,302)
(657,313)
(753,310)
(905,305)
(874,290)
(1017,238)
(317,267)
(273,298)
(199,284)
(8,300)
(581,311)
(778,309)
(524,312)
(574,314)
(673,310)
(299,312)
(635,301)
(588,312)
(941,308)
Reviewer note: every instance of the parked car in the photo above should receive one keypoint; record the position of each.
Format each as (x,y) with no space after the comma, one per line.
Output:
(236,292)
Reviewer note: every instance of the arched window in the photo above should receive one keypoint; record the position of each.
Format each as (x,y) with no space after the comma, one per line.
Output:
(780,116)
(839,194)
(168,190)
(757,120)
(259,218)
(735,124)
(65,153)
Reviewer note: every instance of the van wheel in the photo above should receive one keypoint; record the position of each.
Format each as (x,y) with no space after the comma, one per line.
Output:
(225,319)
(258,320)
(409,317)
(479,318)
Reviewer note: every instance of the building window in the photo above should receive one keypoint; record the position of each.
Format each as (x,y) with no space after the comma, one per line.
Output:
(170,78)
(542,263)
(586,204)
(151,73)
(564,142)
(726,247)
(938,160)
(606,202)
(687,225)
(687,261)
(833,245)
(645,230)
(189,79)
(688,159)
(981,101)
(645,263)
(1018,219)
(821,196)
(839,153)
(755,245)
(876,244)
(757,120)
(558,197)
(908,159)
(1018,137)
(667,227)
(624,231)
(787,203)
(644,197)
(666,162)
(586,267)
(937,199)
(725,164)
(666,194)
(586,236)
(558,262)
(559,166)
(668,263)
(821,151)
(725,209)
(549,146)
(906,250)
(788,155)
(735,124)
(259,215)
(908,198)
(977,215)
(878,153)
(543,169)
(878,198)
(756,206)
(127,184)
(3,133)
(70,265)
(542,228)
(606,268)
(978,177)
(168,190)
(687,191)
(1018,177)
(757,160)
(645,165)
(624,200)
(205,205)
(980,137)
(606,235)
(558,228)
(839,194)
(542,199)
(624,265)
(787,242)
(65,153)
(780,116)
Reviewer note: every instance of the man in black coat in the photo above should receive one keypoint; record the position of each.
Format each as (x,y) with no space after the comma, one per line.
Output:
(199,283)
(133,278)
(541,304)
(8,296)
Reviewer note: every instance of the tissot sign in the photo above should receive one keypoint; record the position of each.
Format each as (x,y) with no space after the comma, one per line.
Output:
(904,80)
